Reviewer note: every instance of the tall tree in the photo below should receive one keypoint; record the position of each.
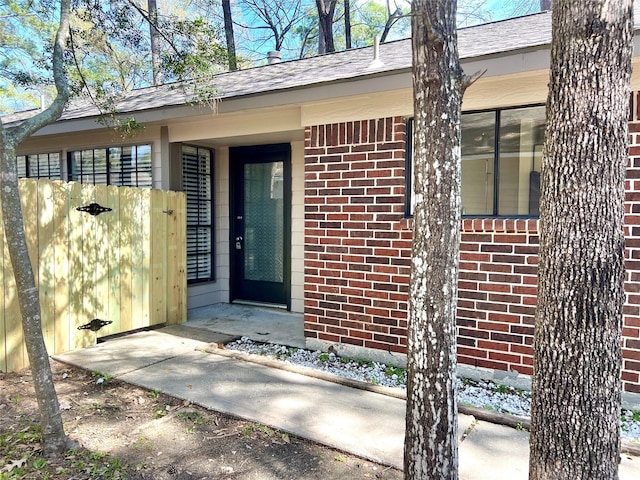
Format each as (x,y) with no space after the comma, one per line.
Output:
(577,361)
(347,24)
(326,10)
(431,449)
(109,46)
(228,32)
(54,59)
(156,63)
(55,440)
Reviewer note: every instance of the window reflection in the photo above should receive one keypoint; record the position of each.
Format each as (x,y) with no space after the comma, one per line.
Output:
(478,153)
(521,137)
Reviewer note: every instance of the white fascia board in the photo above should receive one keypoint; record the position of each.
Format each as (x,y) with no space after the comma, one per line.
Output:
(509,63)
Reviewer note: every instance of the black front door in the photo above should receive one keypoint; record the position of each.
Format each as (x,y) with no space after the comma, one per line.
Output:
(261,223)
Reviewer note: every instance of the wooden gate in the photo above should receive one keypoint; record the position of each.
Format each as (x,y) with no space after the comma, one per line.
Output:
(127,265)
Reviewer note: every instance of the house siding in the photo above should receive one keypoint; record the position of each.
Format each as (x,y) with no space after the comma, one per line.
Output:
(631,318)
(497,293)
(357,244)
(297,227)
(358,247)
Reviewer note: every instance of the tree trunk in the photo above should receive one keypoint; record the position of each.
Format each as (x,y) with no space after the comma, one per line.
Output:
(577,361)
(326,9)
(431,450)
(54,439)
(347,24)
(156,64)
(228,31)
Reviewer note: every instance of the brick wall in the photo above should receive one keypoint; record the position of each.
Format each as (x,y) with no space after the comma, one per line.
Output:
(631,320)
(497,293)
(358,245)
(356,252)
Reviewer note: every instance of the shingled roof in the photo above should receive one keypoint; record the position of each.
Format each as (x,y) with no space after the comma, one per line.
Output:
(497,37)
(501,37)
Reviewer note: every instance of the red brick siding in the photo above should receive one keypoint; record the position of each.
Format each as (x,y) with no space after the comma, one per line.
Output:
(497,293)
(631,320)
(358,246)
(356,256)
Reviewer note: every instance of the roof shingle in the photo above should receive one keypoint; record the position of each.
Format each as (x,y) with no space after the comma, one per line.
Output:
(531,31)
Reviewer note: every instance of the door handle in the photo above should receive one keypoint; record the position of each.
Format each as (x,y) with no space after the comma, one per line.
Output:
(239,243)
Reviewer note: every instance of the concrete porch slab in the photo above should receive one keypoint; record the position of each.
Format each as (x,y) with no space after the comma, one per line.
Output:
(261,324)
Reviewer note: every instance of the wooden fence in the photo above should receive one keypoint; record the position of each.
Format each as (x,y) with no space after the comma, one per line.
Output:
(127,265)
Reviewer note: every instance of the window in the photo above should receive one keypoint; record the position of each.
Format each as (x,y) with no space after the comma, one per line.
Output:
(501,159)
(128,166)
(41,165)
(197,183)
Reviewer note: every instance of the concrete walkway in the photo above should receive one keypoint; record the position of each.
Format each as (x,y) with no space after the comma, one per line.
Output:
(363,423)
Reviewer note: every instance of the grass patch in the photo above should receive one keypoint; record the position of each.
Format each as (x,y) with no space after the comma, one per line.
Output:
(262,431)
(154,394)
(193,416)
(501,388)
(101,378)
(400,373)
(324,357)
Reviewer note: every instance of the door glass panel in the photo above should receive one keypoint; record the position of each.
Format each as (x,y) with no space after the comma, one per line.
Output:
(264,222)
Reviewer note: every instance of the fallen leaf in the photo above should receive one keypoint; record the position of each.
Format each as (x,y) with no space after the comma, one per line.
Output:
(14,464)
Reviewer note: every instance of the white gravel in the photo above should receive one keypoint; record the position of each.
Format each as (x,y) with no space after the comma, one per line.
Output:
(484,394)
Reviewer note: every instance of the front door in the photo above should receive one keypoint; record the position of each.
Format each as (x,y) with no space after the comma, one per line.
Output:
(261,223)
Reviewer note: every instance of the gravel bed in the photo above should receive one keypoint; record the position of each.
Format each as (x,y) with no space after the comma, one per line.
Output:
(483,394)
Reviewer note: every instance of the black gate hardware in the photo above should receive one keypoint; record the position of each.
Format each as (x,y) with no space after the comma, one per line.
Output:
(93,209)
(95,325)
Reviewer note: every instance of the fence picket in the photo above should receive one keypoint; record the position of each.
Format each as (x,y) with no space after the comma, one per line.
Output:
(46,256)
(60,241)
(127,265)
(3,332)
(113,261)
(145,258)
(136,245)
(14,342)
(126,288)
(102,241)
(158,260)
(181,261)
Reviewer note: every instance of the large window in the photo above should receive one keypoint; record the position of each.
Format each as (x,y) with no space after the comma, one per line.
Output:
(128,166)
(501,157)
(197,183)
(41,165)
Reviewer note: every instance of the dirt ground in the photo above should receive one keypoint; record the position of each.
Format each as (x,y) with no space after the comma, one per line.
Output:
(131,433)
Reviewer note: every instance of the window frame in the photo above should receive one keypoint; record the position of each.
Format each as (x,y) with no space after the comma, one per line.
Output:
(408,210)
(108,171)
(27,163)
(211,225)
